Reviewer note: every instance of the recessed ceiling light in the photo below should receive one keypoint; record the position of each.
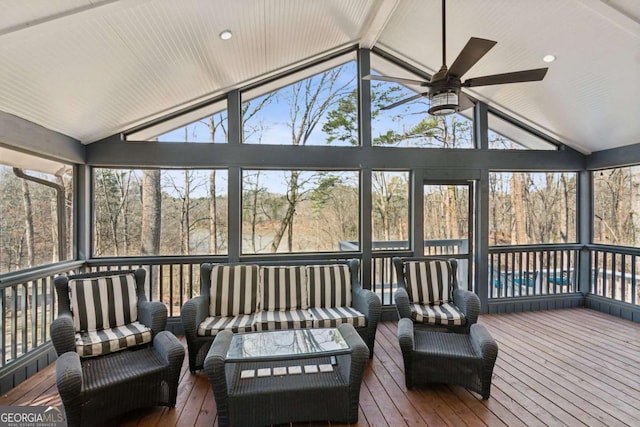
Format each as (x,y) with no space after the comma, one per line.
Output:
(225,35)
(549,58)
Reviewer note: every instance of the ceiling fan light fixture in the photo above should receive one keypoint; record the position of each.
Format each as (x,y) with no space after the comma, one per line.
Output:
(444,103)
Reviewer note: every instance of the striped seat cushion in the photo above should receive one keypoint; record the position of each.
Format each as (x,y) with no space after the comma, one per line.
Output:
(443,314)
(283,288)
(234,290)
(329,285)
(290,319)
(212,325)
(103,302)
(429,282)
(96,343)
(334,316)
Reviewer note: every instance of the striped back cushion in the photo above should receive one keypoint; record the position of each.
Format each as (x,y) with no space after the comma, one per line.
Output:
(329,285)
(284,288)
(103,302)
(234,290)
(429,282)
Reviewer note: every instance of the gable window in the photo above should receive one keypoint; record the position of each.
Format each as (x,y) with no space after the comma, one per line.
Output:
(304,112)
(204,124)
(409,124)
(507,135)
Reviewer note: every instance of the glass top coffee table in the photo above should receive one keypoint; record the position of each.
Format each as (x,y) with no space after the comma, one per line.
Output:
(277,377)
(286,344)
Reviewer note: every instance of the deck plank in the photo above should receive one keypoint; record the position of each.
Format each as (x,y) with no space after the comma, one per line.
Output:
(564,367)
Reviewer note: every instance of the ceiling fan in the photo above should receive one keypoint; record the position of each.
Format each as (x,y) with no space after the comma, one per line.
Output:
(444,86)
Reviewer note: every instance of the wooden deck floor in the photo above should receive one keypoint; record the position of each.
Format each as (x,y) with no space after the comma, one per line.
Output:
(566,367)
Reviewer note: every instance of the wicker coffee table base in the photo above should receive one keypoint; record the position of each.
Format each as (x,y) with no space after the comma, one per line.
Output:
(277,399)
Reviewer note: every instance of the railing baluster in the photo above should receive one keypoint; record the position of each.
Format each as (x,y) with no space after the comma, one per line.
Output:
(491,278)
(614,275)
(14,323)
(605,281)
(171,287)
(595,284)
(43,309)
(623,284)
(562,272)
(161,283)
(181,279)
(33,313)
(3,302)
(633,279)
(385,286)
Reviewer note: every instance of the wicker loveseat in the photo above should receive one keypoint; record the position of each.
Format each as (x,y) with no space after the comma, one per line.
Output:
(252,297)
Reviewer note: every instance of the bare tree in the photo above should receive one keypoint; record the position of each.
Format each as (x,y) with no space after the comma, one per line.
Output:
(518,232)
(112,191)
(28,223)
(151,213)
(309,102)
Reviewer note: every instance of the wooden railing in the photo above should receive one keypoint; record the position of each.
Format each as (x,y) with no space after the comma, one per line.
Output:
(28,303)
(532,270)
(27,306)
(615,273)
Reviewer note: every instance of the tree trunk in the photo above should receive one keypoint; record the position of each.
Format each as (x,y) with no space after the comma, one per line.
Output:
(213,214)
(254,212)
(151,224)
(564,211)
(28,223)
(519,233)
(125,208)
(287,221)
(151,213)
(635,204)
(186,220)
(453,231)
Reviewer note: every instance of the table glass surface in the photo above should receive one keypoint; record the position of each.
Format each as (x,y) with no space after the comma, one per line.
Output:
(285,344)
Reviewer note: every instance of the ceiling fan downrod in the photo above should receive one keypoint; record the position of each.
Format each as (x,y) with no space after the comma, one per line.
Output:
(444,34)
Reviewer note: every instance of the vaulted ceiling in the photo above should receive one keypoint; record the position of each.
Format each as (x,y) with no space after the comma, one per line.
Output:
(94,68)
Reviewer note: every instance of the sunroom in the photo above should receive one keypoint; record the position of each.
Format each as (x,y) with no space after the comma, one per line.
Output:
(164,135)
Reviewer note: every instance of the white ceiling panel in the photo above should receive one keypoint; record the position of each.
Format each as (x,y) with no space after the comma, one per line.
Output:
(91,69)
(594,82)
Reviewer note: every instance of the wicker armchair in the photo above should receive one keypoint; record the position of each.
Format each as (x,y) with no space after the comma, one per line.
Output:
(114,355)
(73,329)
(429,295)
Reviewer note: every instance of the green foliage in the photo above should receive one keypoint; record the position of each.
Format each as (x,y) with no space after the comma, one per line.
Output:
(342,123)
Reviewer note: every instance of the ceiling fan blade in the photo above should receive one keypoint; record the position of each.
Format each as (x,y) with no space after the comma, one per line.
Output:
(464,101)
(404,101)
(515,77)
(475,49)
(397,80)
